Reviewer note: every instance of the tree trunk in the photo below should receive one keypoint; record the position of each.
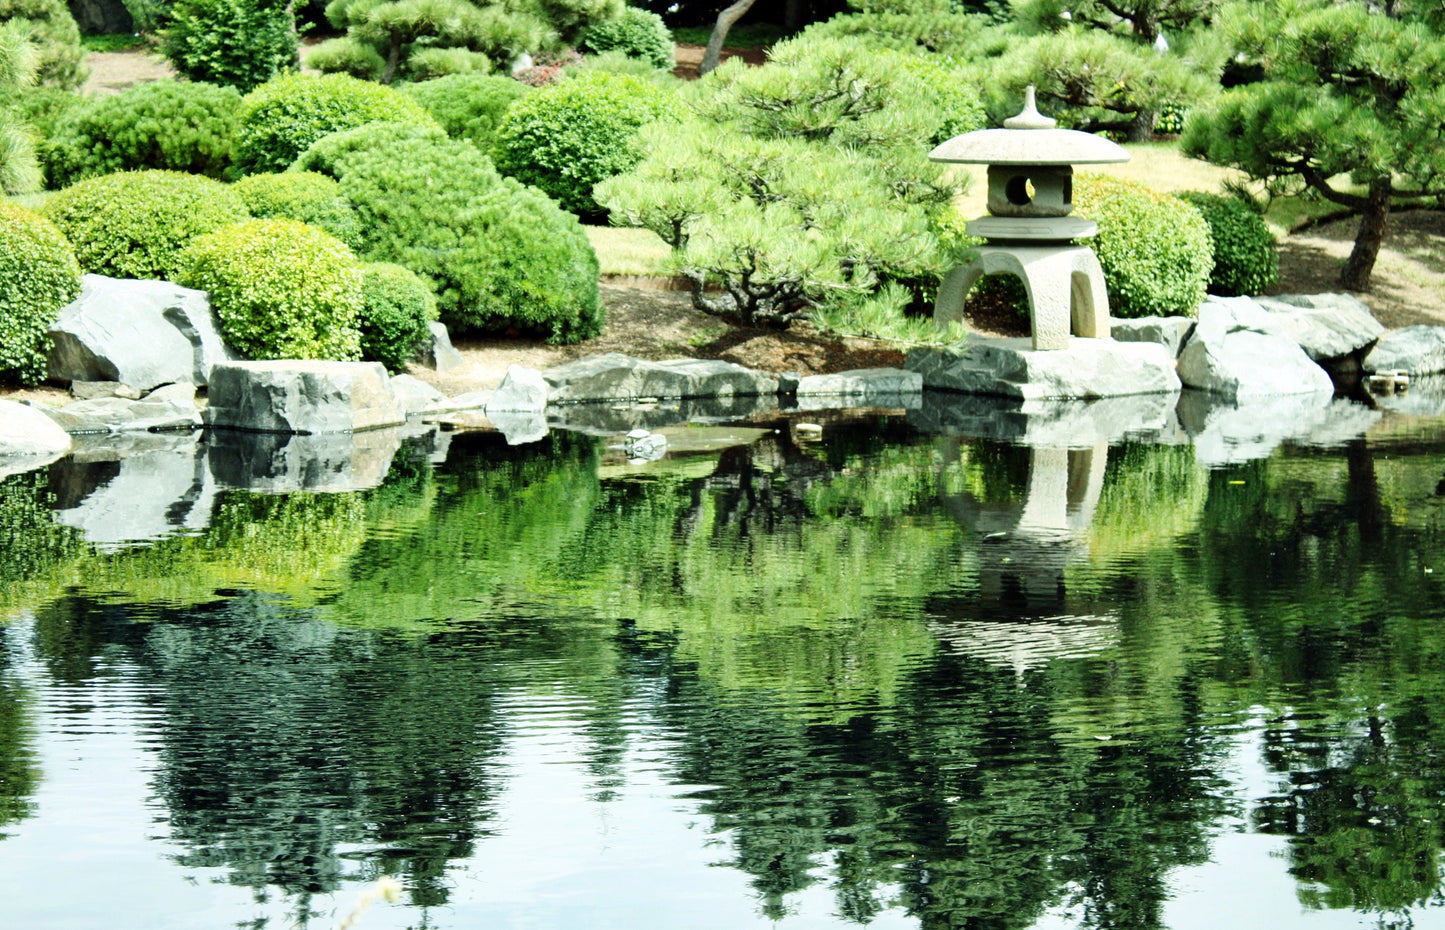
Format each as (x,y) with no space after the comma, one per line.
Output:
(1355,276)
(725,20)
(793,16)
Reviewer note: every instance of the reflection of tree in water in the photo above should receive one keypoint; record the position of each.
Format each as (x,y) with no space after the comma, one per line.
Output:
(19,773)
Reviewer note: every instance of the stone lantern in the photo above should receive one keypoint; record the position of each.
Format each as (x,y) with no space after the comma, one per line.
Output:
(1029,231)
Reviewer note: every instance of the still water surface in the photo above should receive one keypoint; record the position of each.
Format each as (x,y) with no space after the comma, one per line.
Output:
(885,678)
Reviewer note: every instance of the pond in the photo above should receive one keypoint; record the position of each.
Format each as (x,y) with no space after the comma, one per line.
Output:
(893,675)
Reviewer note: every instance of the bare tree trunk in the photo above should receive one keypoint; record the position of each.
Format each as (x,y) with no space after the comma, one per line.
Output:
(725,20)
(793,16)
(1355,276)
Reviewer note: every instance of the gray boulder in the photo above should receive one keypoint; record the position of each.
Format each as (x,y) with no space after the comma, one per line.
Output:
(523,390)
(620,377)
(140,333)
(1088,368)
(1326,326)
(1239,350)
(861,384)
(172,407)
(416,396)
(28,438)
(438,352)
(1415,350)
(294,396)
(1171,332)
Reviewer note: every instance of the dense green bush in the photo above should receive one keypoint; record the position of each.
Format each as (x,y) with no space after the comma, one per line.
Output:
(136,223)
(428,63)
(955,35)
(303,196)
(637,33)
(170,125)
(282,117)
(19,169)
(1154,247)
(1246,260)
(328,154)
(500,255)
(51,30)
(398,305)
(38,276)
(567,136)
(469,106)
(280,289)
(237,43)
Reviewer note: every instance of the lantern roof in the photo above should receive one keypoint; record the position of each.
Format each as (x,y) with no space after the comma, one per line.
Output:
(1030,138)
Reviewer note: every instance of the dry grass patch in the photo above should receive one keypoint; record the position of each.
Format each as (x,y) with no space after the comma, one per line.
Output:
(624,251)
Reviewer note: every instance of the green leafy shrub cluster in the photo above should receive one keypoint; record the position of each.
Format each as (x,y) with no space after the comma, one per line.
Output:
(637,33)
(499,255)
(327,154)
(569,135)
(169,125)
(19,169)
(282,117)
(38,276)
(51,30)
(346,55)
(280,289)
(237,43)
(135,224)
(431,63)
(303,196)
(469,106)
(397,306)
(1154,248)
(1246,259)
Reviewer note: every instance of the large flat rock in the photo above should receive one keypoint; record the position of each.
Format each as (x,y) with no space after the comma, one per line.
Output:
(1240,350)
(28,438)
(1325,326)
(613,377)
(290,396)
(1416,350)
(1088,368)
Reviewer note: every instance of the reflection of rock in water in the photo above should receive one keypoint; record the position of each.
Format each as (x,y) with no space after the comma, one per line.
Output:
(1025,644)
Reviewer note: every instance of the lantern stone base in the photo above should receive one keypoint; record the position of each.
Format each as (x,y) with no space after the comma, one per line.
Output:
(1064,283)
(1083,369)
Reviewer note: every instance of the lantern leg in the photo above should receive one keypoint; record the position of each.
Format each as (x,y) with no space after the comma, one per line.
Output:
(1064,284)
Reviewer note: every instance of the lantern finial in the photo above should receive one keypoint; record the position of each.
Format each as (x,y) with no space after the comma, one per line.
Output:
(1029,117)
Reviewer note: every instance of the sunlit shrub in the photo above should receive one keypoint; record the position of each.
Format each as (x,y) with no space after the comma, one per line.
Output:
(38,276)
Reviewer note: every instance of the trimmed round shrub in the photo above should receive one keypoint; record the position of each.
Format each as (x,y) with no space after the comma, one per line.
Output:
(303,196)
(1246,259)
(136,223)
(398,305)
(567,136)
(500,255)
(435,62)
(280,289)
(1154,247)
(55,38)
(168,125)
(637,33)
(346,55)
(38,276)
(238,43)
(282,117)
(469,106)
(328,154)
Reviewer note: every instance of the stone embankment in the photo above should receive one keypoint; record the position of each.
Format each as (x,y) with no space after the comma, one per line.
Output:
(145,357)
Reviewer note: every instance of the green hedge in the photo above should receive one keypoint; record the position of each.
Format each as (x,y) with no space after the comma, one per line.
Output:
(280,289)
(135,224)
(1154,247)
(303,196)
(398,305)
(1246,257)
(38,277)
(469,106)
(567,136)
(54,37)
(167,125)
(282,117)
(499,255)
